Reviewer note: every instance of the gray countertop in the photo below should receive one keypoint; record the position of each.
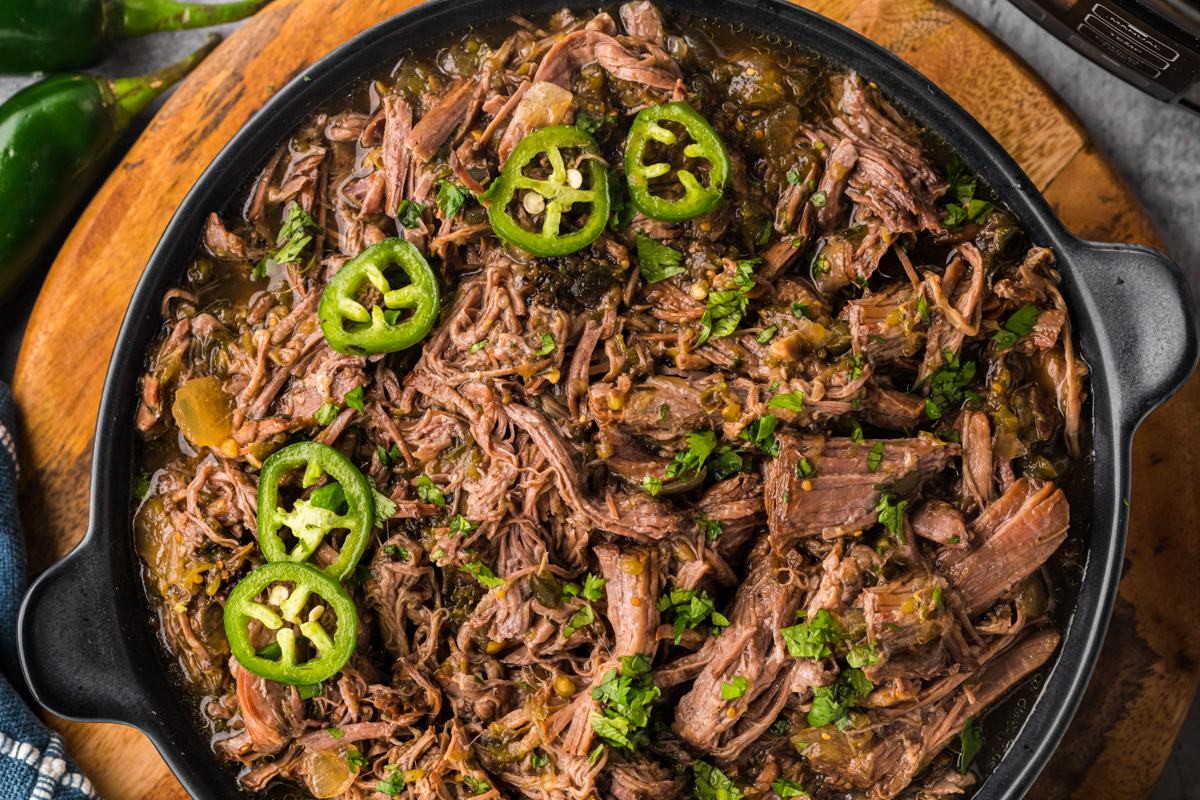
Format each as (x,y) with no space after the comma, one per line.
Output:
(1155,147)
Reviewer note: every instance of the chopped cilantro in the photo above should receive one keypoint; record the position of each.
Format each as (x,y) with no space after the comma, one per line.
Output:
(484,575)
(795,178)
(830,703)
(726,308)
(922,309)
(141,485)
(766,334)
(547,347)
(1019,324)
(875,456)
(713,784)
(537,761)
(691,607)
(625,699)
(862,655)
(460,524)
(818,199)
(815,638)
(409,213)
(326,414)
(354,399)
(954,539)
(657,261)
(726,462)
(856,431)
(292,237)
(786,789)
(972,741)
(712,528)
(891,515)
(764,236)
(948,383)
(804,469)
(335,733)
(593,125)
(761,434)
(428,492)
(732,691)
(800,311)
(793,401)
(700,446)
(582,619)
(779,727)
(592,586)
(652,485)
(450,199)
(664,410)
(480,786)
(482,343)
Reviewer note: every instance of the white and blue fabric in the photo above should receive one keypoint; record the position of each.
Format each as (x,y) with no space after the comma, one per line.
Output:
(34,764)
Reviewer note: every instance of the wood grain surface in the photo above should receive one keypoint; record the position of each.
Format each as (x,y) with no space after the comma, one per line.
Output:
(1148,672)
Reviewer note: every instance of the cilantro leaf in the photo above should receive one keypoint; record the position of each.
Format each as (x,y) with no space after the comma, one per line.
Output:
(354,399)
(547,347)
(805,469)
(428,492)
(450,199)
(657,261)
(408,213)
(1019,324)
(948,383)
(891,515)
(766,335)
(793,401)
(624,699)
(592,586)
(786,789)
(700,446)
(815,638)
(727,307)
(326,414)
(712,528)
(962,186)
(732,691)
(819,199)
(652,485)
(971,740)
(726,462)
(385,507)
(582,619)
(141,485)
(862,655)
(475,348)
(691,608)
(830,703)
(875,456)
(713,784)
(483,574)
(761,433)
(593,125)
(461,524)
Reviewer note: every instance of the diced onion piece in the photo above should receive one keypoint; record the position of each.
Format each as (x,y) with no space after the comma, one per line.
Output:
(327,774)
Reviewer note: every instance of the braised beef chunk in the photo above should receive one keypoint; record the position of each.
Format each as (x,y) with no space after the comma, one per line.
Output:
(749,503)
(833,487)
(1013,537)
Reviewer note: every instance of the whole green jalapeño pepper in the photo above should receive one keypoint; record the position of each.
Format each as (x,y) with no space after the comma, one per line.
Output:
(553,195)
(705,144)
(350,328)
(54,35)
(311,521)
(55,136)
(283,610)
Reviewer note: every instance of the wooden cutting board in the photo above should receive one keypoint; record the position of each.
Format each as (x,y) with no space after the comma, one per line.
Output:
(1148,672)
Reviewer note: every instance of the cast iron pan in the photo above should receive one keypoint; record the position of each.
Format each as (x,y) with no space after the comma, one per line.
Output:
(88,650)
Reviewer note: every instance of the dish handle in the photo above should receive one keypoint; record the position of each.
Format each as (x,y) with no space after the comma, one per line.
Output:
(1144,315)
(72,653)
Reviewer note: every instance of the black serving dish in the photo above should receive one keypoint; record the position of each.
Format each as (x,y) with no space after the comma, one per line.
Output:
(89,652)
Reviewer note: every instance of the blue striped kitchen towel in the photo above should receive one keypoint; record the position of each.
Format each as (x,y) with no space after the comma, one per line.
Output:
(33,761)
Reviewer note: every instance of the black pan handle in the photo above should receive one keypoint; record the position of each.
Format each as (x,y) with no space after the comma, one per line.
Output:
(70,643)
(1143,315)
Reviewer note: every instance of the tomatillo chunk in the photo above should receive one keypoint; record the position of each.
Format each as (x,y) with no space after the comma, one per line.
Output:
(552,196)
(351,329)
(311,521)
(705,144)
(280,610)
